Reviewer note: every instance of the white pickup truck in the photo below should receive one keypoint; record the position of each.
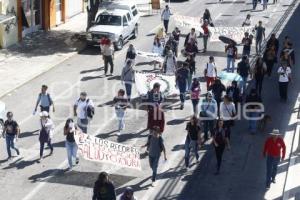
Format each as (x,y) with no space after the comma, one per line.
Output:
(119,25)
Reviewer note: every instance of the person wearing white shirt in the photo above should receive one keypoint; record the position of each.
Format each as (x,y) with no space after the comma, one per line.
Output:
(46,133)
(165,16)
(284,72)
(227,112)
(80,111)
(170,63)
(210,72)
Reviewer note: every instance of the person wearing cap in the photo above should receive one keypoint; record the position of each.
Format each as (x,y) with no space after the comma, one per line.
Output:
(208,114)
(80,111)
(210,72)
(165,17)
(11,133)
(205,34)
(274,150)
(46,133)
(254,107)
(155,146)
(127,77)
(232,53)
(182,75)
(260,36)
(247,42)
(44,100)
(243,69)
(128,194)
(170,63)
(70,130)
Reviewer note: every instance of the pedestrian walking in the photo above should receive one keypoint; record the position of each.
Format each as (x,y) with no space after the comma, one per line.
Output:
(155,145)
(273,41)
(176,35)
(220,141)
(11,134)
(191,49)
(128,194)
(156,118)
(234,93)
(231,52)
(285,58)
(254,108)
(195,95)
(165,16)
(70,130)
(44,100)
(127,78)
(131,54)
(254,3)
(243,70)
(274,150)
(205,34)
(190,37)
(218,89)
(190,62)
(170,63)
(260,69)
(158,49)
(193,139)
(104,189)
(171,44)
(247,42)
(182,75)
(247,21)
(228,113)
(285,77)
(288,54)
(270,58)
(108,57)
(260,36)
(84,110)
(46,133)
(207,16)
(208,114)
(210,72)
(121,103)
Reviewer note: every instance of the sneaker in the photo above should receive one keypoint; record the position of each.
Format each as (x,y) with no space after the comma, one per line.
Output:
(153,184)
(18,152)
(51,152)
(273,181)
(77,161)
(181,107)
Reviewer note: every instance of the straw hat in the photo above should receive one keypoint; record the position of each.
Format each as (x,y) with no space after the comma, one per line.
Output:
(275,132)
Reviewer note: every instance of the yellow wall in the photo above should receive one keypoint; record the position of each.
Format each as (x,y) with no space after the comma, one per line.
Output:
(11,37)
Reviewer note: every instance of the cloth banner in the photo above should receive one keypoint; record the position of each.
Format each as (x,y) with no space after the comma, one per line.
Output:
(235,33)
(100,150)
(144,82)
(151,56)
(188,22)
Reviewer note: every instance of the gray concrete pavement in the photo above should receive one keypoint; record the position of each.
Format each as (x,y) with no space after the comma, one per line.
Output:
(82,72)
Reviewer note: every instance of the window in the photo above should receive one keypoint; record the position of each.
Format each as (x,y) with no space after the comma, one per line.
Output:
(125,23)
(108,20)
(134,12)
(128,17)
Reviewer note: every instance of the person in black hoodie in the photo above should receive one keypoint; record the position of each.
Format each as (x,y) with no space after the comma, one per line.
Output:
(104,188)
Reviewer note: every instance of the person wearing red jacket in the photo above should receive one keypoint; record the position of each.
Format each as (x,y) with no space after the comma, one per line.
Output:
(274,149)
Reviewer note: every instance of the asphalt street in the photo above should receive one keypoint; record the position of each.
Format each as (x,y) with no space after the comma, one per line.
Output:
(243,173)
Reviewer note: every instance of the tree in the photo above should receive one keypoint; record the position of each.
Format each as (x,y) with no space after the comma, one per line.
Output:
(92,9)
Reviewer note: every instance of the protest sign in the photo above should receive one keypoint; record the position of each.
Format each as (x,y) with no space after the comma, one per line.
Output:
(151,56)
(188,22)
(100,150)
(144,82)
(235,33)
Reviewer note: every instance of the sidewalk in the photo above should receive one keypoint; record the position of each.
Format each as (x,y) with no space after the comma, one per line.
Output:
(39,52)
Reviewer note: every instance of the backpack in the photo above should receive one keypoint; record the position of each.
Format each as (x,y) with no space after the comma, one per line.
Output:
(160,141)
(44,134)
(49,99)
(90,110)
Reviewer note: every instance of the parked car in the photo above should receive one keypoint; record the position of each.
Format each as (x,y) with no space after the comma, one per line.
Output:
(118,25)
(2,116)
(126,5)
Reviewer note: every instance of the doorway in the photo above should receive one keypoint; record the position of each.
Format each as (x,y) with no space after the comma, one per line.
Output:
(31,16)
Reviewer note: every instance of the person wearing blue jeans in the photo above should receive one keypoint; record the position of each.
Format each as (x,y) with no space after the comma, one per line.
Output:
(121,103)
(11,132)
(253,118)
(231,52)
(155,145)
(243,69)
(272,163)
(71,146)
(127,77)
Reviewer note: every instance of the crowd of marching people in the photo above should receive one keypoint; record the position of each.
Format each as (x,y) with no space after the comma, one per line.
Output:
(213,117)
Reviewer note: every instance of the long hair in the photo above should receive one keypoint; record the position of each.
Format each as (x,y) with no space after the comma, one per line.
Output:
(103,178)
(68,123)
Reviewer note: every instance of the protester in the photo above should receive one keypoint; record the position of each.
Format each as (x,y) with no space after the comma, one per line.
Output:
(247,42)
(190,62)
(104,189)
(191,37)
(265,4)
(232,53)
(170,63)
(155,145)
(128,194)
(270,59)
(131,54)
(193,139)
(210,72)
(171,44)
(260,69)
(127,78)
(44,100)
(234,93)
(205,35)
(70,130)
(274,150)
(285,77)
(108,57)
(243,70)
(220,141)
(260,36)
(228,113)
(160,34)
(273,41)
(247,21)
(156,118)
(158,49)
(84,111)
(46,133)
(207,16)
(11,134)
(165,16)
(208,114)
(217,89)
(182,75)
(121,103)
(195,95)
(254,101)
(191,49)
(176,35)
(254,3)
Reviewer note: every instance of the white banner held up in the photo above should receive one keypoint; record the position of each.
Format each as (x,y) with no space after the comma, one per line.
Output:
(151,56)
(144,82)
(235,33)
(100,150)
(188,22)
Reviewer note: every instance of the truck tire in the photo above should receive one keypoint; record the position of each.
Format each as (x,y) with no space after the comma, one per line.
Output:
(119,44)
(135,32)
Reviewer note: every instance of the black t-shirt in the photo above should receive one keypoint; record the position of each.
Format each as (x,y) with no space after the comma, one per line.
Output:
(193,131)
(247,43)
(243,69)
(70,137)
(221,135)
(11,127)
